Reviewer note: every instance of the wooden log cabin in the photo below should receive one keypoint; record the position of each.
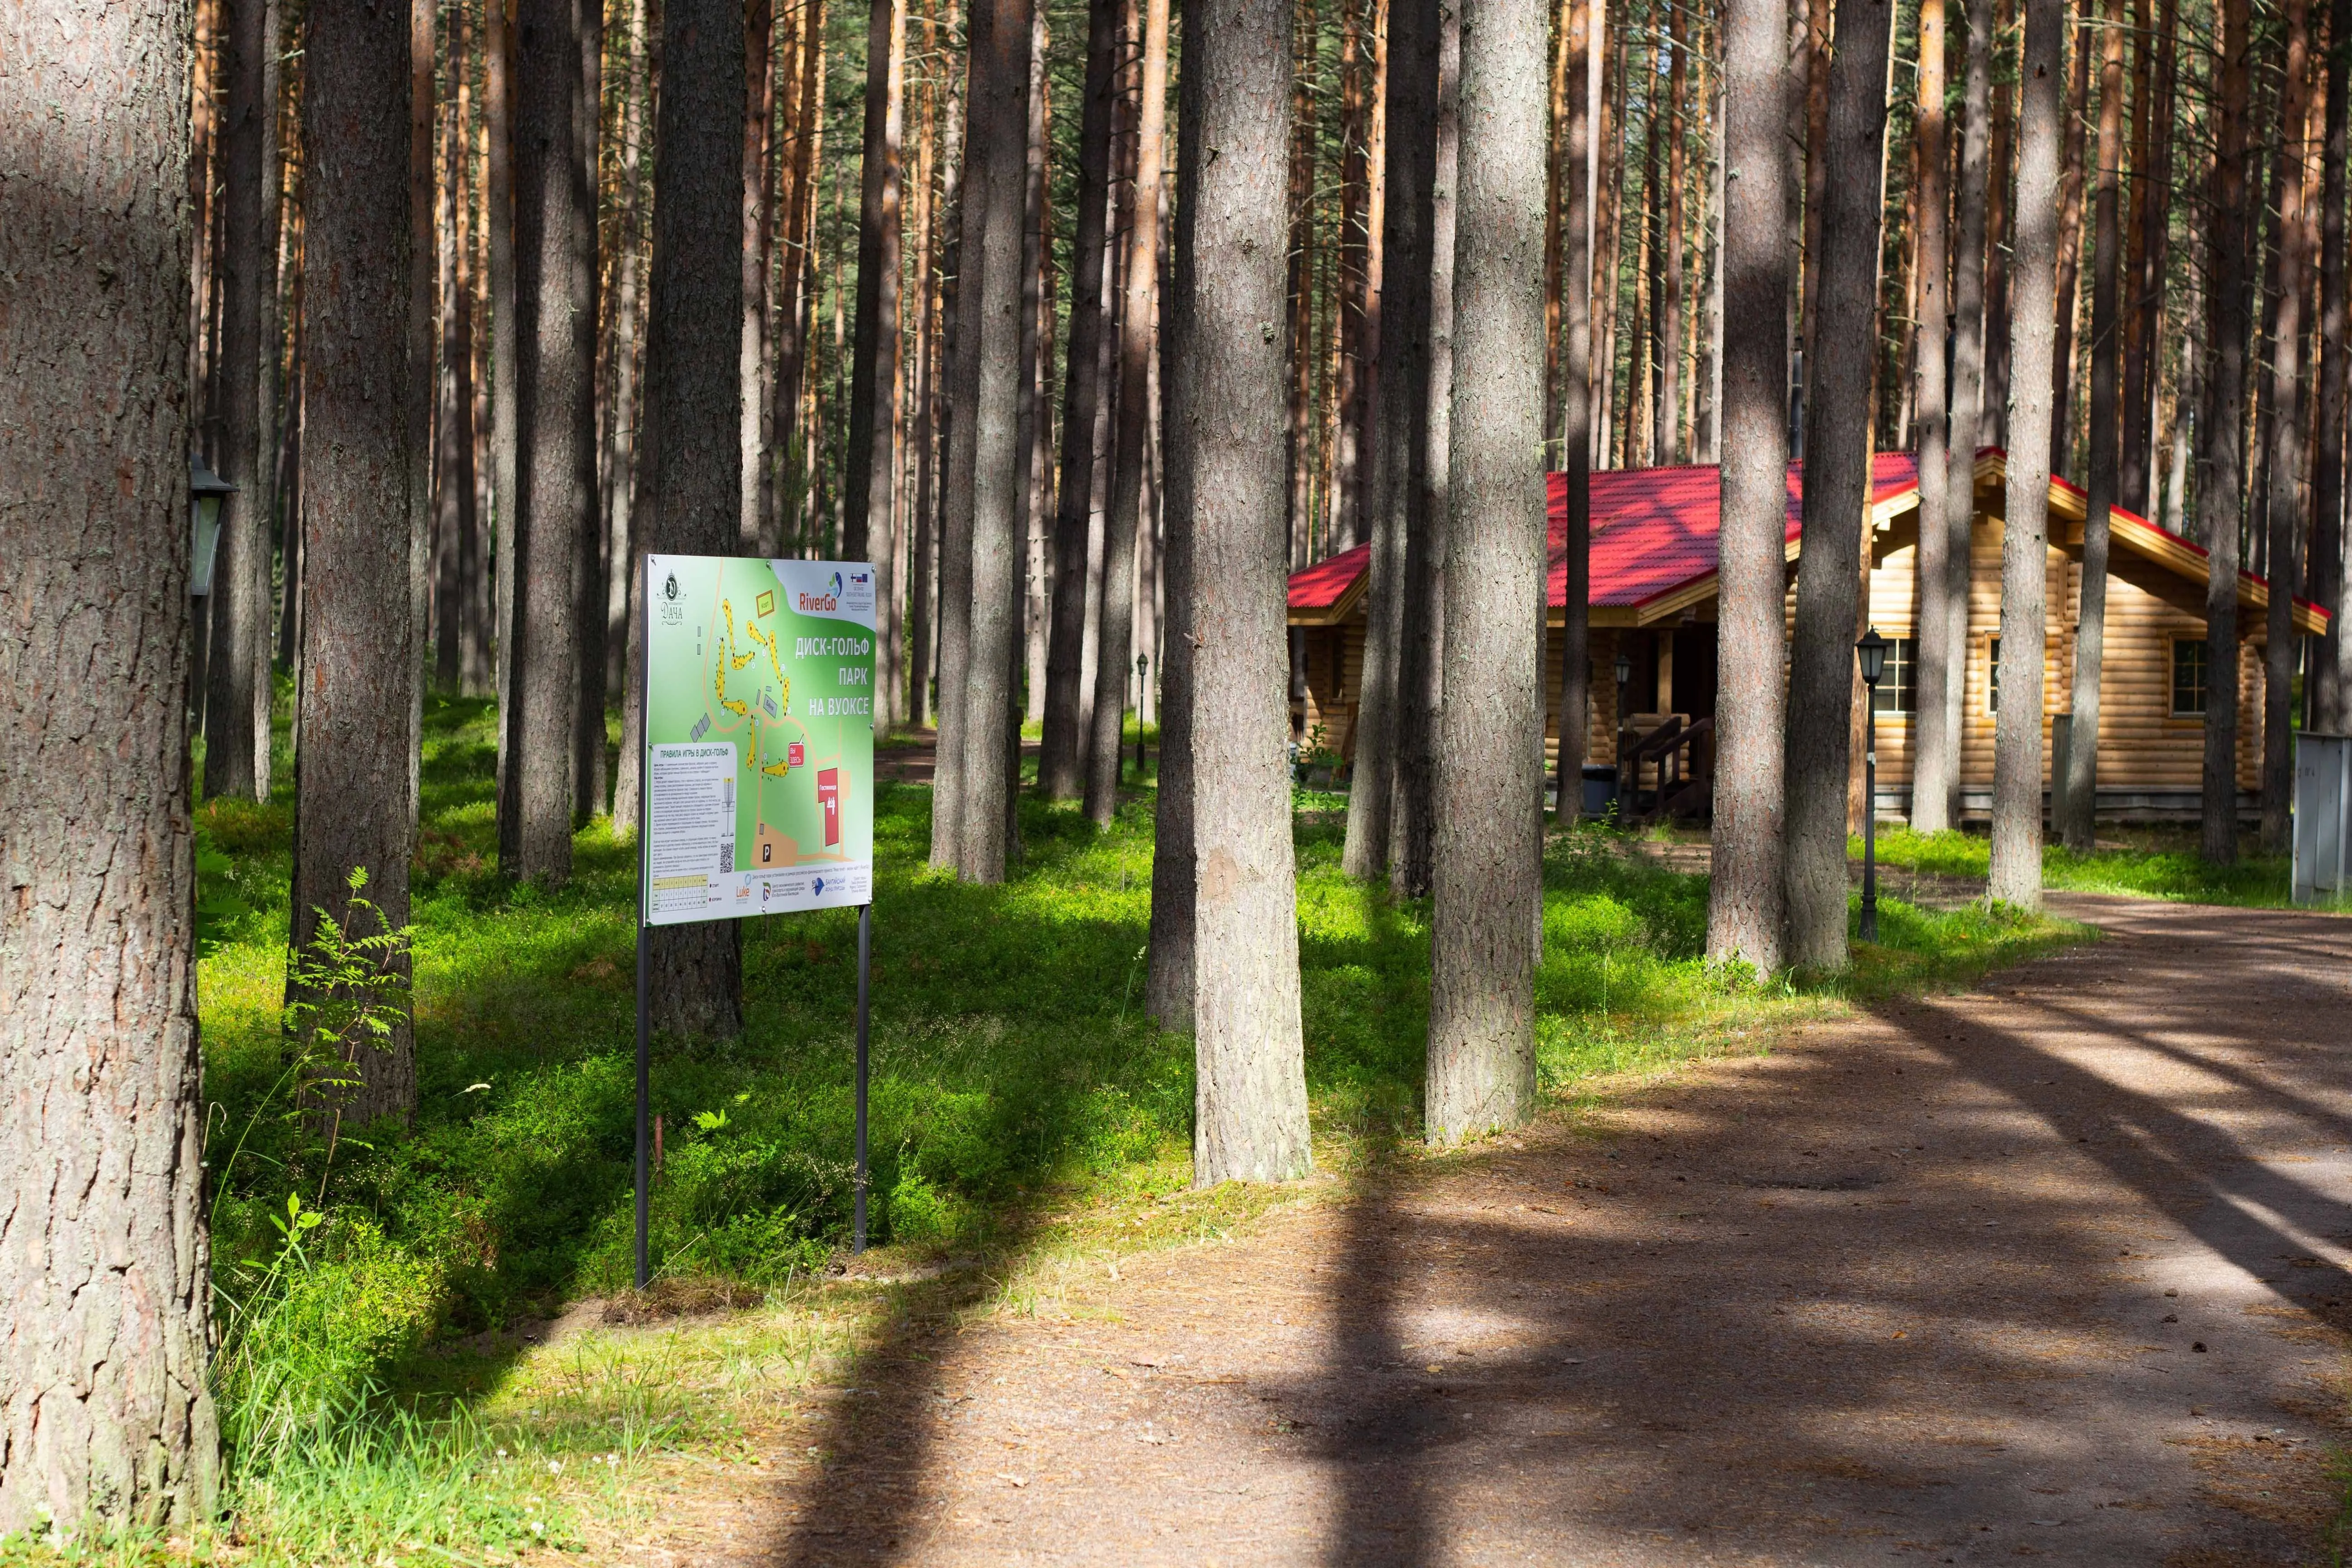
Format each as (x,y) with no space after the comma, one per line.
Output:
(1653,588)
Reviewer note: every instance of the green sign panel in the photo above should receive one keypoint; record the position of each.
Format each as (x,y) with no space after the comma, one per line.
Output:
(759,764)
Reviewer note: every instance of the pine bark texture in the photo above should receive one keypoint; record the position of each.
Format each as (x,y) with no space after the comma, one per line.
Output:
(360,658)
(1115,651)
(2286,455)
(872,458)
(1000,91)
(105,1410)
(1836,494)
(506,348)
(1576,409)
(1225,482)
(2025,536)
(1745,898)
(1935,792)
(693,336)
(1482,1062)
(1401,416)
(2330,679)
(555,331)
(1059,774)
(1421,646)
(967,269)
(2220,493)
(1931,419)
(2081,761)
(236,672)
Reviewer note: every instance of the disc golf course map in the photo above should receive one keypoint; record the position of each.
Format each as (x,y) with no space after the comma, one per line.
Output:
(759,735)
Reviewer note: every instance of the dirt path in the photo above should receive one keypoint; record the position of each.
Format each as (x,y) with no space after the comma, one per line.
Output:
(2056,1269)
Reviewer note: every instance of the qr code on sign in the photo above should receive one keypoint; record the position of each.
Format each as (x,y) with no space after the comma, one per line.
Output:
(725,855)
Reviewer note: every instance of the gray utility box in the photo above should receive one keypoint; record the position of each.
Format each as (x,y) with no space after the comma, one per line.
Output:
(2323,793)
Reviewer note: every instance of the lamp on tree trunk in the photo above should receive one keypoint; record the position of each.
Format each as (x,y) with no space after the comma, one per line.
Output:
(1141,660)
(205,489)
(1872,651)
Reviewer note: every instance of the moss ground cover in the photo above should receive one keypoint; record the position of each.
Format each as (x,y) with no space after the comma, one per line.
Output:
(1023,1109)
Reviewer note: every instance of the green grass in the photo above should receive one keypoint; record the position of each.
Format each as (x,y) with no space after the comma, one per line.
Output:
(1022,1105)
(2144,862)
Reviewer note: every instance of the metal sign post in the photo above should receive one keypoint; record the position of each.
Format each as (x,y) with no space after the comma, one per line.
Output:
(755,782)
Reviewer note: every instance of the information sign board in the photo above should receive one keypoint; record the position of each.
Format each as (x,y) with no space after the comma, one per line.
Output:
(759,725)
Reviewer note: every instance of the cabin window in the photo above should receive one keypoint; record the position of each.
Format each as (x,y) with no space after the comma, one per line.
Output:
(2188,677)
(1898,686)
(1993,675)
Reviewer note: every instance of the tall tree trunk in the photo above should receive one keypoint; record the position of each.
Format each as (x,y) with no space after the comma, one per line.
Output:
(1300,293)
(2018,734)
(2286,453)
(1745,896)
(967,267)
(105,1410)
(753,362)
(2000,216)
(1482,1055)
(1399,445)
(1576,409)
(417,409)
(874,376)
(2070,246)
(1936,789)
(2220,468)
(1422,647)
(1837,492)
(694,462)
(2081,761)
(555,321)
(1934,739)
(1059,776)
(1669,445)
(1000,91)
(1028,403)
(921,611)
(2329,678)
(360,658)
(1225,491)
(590,779)
(236,707)
(1115,653)
(622,420)
(506,357)
(2143,369)
(1356,58)
(454,559)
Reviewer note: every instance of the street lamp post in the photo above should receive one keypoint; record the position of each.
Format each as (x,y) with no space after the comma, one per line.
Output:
(1625,670)
(1872,651)
(1141,660)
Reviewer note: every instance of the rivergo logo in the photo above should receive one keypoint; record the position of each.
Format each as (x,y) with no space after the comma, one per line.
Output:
(826,602)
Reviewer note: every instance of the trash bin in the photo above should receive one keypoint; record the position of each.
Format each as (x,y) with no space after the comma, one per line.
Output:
(1600,788)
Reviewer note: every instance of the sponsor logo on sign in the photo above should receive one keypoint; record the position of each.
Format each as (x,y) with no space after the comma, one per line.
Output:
(819,885)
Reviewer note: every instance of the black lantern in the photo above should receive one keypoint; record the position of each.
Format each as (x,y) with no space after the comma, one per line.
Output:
(1872,650)
(205,489)
(1624,667)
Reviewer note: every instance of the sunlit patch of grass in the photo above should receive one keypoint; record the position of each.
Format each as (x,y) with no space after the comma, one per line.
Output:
(2142,862)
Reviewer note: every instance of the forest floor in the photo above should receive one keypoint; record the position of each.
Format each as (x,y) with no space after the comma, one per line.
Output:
(2054,1268)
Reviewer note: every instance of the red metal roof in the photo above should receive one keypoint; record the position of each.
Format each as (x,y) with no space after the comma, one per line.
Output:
(1656,530)
(1653,531)
(1323,584)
